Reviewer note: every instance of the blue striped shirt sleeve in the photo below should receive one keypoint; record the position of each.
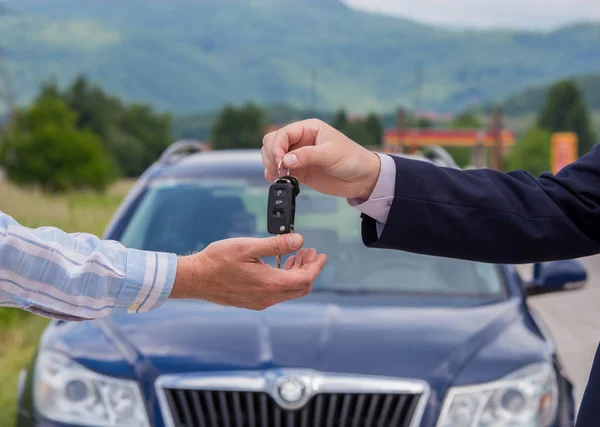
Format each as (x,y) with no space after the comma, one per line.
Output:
(78,276)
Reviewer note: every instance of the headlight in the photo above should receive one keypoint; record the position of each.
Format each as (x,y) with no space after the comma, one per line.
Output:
(526,398)
(67,392)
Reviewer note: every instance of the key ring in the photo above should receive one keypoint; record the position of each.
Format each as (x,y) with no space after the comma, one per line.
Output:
(279,167)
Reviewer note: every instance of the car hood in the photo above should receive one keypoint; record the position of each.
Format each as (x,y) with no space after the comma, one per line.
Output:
(392,338)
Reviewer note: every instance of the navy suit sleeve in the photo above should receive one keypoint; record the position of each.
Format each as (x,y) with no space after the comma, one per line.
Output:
(489,216)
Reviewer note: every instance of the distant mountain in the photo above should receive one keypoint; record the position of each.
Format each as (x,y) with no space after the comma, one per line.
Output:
(196,55)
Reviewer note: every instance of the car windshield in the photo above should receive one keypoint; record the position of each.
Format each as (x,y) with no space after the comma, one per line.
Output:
(184,216)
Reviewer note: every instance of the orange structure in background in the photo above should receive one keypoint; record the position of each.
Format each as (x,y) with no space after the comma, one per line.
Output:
(564,150)
(445,137)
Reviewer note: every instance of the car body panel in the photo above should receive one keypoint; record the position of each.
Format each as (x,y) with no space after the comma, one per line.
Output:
(400,341)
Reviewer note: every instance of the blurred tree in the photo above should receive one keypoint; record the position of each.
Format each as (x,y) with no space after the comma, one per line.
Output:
(359,133)
(134,136)
(375,127)
(150,130)
(43,147)
(96,111)
(49,89)
(424,123)
(129,150)
(340,120)
(531,153)
(242,127)
(565,111)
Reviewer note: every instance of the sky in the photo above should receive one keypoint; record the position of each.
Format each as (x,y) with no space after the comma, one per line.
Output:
(514,14)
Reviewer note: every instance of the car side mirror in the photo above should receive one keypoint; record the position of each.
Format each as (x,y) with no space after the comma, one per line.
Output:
(557,276)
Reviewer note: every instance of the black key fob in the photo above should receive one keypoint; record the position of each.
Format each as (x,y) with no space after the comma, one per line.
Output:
(281,209)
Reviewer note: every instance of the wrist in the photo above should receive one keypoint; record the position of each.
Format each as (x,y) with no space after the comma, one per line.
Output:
(373,169)
(185,277)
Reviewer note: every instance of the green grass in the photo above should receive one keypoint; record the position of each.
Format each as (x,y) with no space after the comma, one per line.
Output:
(19,330)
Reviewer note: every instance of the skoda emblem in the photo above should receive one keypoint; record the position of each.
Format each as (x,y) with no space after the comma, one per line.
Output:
(291,390)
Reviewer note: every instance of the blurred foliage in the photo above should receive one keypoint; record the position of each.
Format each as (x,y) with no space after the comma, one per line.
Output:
(374,126)
(133,135)
(242,127)
(520,124)
(188,56)
(422,123)
(199,126)
(340,120)
(531,153)
(43,147)
(366,132)
(151,131)
(565,111)
(358,132)
(533,99)
(522,110)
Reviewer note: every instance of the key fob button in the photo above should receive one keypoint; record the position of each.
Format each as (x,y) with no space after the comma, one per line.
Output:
(279,193)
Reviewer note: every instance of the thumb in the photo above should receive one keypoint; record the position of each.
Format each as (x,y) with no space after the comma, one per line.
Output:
(310,155)
(276,245)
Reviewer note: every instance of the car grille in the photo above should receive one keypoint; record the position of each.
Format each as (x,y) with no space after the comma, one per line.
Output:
(206,408)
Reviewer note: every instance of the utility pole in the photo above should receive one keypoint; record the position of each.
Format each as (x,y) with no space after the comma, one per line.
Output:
(478,152)
(401,127)
(417,104)
(497,151)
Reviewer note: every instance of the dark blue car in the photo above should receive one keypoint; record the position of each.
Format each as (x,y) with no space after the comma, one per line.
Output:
(386,338)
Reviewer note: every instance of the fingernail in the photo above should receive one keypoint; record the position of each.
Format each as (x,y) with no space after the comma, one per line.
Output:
(295,241)
(290,159)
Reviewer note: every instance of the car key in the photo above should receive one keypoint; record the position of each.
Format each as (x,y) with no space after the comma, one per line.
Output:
(281,208)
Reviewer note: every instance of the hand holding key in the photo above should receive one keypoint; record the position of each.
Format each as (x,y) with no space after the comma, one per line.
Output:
(322,158)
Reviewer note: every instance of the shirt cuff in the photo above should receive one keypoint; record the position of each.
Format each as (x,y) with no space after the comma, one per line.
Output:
(149,279)
(378,205)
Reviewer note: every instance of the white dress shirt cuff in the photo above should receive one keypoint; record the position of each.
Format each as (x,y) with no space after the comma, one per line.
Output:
(378,205)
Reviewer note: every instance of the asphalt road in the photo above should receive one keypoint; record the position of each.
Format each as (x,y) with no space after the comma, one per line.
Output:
(573,319)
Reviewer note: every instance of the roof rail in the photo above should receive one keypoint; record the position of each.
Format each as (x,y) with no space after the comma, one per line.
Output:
(440,157)
(170,156)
